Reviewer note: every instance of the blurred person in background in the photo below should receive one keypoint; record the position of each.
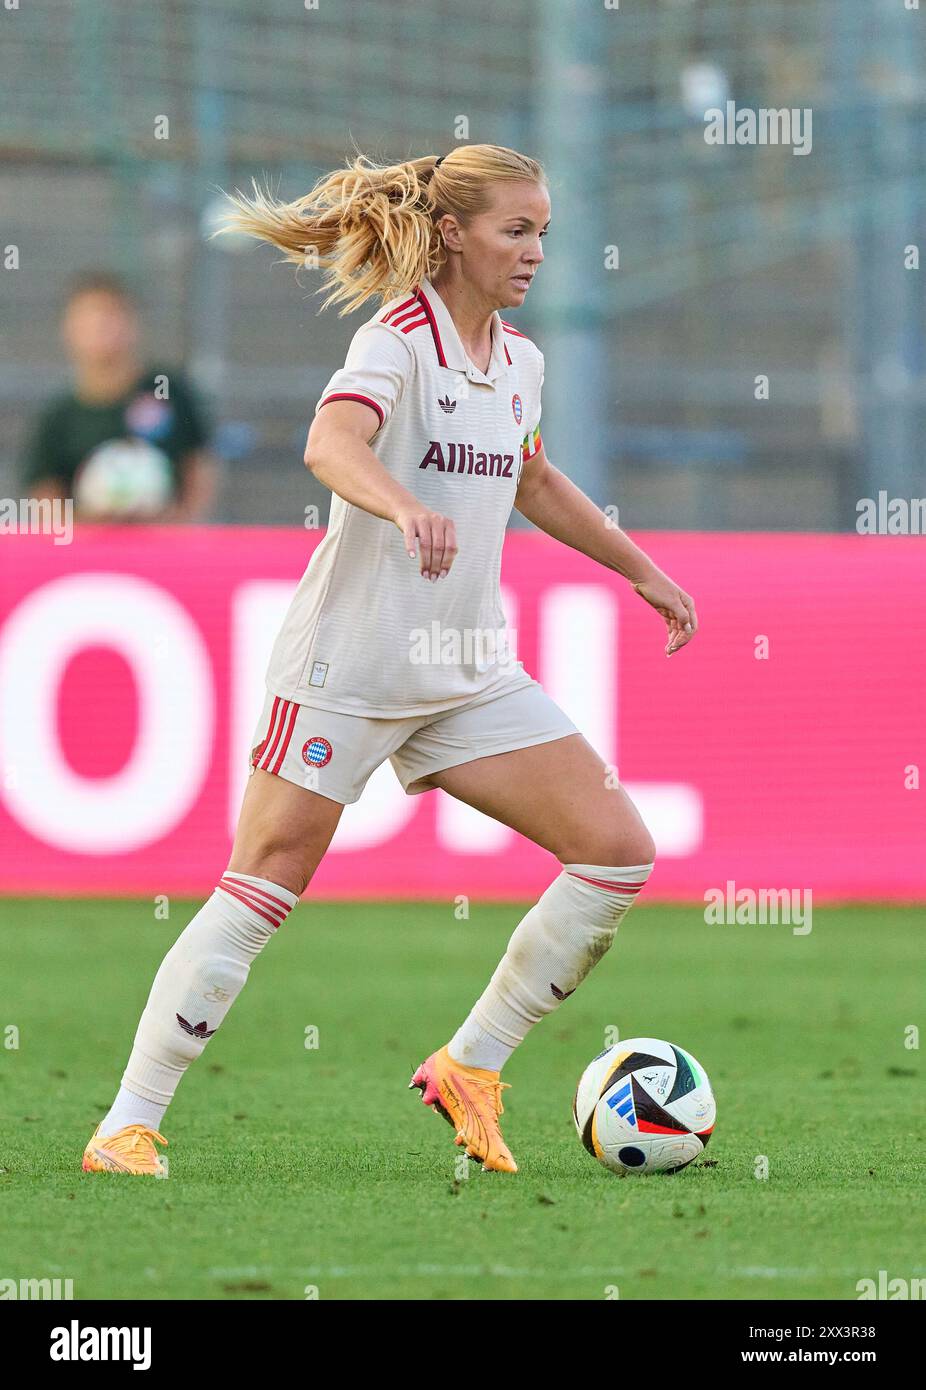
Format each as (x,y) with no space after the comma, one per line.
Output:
(128,441)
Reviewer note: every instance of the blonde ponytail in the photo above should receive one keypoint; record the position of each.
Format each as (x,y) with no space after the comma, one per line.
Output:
(372,227)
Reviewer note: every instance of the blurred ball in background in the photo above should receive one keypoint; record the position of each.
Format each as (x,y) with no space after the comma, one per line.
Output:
(124,478)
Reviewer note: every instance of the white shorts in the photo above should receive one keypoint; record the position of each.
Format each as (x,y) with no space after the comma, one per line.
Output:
(334,754)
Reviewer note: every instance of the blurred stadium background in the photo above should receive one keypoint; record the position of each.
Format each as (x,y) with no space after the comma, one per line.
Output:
(132,660)
(733,261)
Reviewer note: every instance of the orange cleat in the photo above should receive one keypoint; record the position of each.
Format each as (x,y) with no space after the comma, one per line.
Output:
(129,1150)
(471,1101)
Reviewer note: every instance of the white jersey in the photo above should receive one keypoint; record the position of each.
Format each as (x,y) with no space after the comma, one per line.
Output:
(365,633)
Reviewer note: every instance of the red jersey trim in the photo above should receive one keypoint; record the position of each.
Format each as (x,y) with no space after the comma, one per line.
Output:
(354,396)
(515,333)
(432,321)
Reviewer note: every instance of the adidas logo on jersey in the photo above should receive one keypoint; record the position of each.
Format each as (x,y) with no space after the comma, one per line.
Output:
(462,458)
(447,405)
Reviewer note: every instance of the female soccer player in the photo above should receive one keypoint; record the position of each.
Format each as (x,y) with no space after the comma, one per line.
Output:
(426,437)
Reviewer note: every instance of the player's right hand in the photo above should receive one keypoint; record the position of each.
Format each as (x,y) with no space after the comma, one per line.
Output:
(675,606)
(436,537)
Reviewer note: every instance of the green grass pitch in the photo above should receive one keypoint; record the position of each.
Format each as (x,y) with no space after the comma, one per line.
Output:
(294,1168)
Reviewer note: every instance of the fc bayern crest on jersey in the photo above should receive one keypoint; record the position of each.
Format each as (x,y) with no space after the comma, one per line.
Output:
(316,752)
(517,407)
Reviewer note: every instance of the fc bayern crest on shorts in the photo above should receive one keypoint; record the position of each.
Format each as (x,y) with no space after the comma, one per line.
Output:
(316,752)
(517,407)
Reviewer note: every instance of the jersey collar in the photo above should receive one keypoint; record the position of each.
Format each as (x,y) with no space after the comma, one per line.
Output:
(448,346)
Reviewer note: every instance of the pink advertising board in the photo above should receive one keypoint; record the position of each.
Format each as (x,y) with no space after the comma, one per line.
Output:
(782,749)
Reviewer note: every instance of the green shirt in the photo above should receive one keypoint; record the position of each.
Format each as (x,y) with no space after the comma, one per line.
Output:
(68,431)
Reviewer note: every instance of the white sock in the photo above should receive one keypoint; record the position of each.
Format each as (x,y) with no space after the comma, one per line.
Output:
(130,1109)
(552,950)
(199,980)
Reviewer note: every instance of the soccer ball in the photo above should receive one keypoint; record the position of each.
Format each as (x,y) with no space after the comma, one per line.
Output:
(124,478)
(644,1106)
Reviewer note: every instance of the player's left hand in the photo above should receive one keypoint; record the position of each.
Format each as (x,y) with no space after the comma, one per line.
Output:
(675,606)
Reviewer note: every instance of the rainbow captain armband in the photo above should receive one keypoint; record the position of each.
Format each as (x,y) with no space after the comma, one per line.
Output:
(531,445)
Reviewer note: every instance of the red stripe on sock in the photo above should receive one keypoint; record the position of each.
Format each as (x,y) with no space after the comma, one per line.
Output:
(255,902)
(258,892)
(248,902)
(613,884)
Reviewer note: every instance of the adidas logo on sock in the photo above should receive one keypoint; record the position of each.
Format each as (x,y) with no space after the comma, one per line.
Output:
(198,1030)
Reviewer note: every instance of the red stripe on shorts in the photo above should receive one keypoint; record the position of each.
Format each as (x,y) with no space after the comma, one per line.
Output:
(280,719)
(289,733)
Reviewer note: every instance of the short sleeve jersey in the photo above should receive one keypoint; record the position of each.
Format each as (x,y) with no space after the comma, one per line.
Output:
(365,633)
(68,431)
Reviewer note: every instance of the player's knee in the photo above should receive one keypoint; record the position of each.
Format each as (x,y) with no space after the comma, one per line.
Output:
(615,850)
(287,870)
(283,866)
(627,853)
(631,844)
(642,849)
